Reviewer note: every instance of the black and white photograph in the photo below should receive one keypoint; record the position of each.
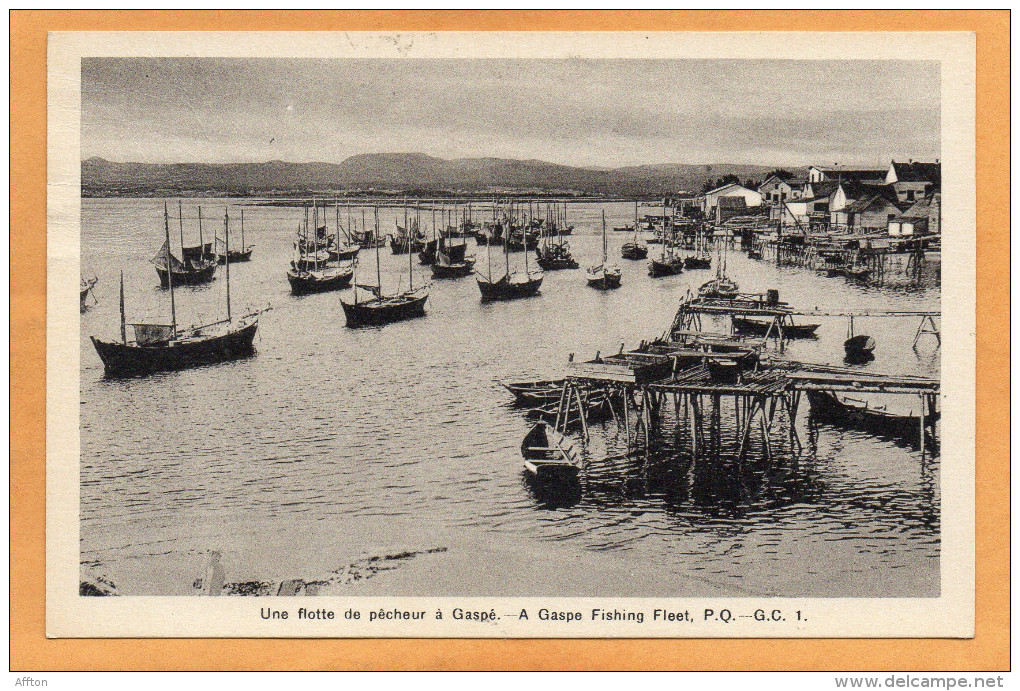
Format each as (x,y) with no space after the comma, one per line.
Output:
(513,342)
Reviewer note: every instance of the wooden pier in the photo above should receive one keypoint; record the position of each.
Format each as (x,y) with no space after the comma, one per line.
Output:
(763,398)
(780,315)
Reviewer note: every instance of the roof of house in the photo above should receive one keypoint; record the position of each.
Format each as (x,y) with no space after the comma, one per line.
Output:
(915,171)
(732,202)
(851,173)
(867,201)
(920,209)
(732,184)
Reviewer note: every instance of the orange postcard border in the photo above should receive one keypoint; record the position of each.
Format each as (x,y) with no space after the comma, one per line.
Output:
(30,650)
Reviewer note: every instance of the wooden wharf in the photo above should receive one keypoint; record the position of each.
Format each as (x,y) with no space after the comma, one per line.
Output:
(688,316)
(764,398)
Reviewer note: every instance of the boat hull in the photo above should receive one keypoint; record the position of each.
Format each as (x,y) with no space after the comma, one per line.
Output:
(377,312)
(457,270)
(235,256)
(826,407)
(506,290)
(657,269)
(121,359)
(198,276)
(632,251)
(750,327)
(303,283)
(697,263)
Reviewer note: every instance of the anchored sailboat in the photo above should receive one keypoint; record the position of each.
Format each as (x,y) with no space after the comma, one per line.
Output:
(197,264)
(383,309)
(158,347)
(604,276)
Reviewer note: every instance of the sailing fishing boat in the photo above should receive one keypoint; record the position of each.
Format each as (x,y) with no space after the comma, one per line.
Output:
(241,255)
(451,258)
(407,239)
(196,266)
(383,309)
(341,251)
(720,286)
(668,263)
(315,273)
(634,249)
(159,347)
(512,285)
(604,276)
(701,259)
(554,252)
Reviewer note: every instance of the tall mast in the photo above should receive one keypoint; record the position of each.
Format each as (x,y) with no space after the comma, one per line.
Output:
(410,255)
(378,269)
(169,269)
(123,325)
(180,221)
(242,229)
(226,232)
(605,248)
(201,240)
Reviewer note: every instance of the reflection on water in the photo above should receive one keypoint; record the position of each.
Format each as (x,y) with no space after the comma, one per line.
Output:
(408,421)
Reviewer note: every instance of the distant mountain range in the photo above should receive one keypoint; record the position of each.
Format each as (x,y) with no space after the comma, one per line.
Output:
(400,173)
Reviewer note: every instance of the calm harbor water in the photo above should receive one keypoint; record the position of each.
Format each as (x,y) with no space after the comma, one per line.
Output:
(402,437)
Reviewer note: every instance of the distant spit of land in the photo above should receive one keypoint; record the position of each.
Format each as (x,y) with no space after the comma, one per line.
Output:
(402,174)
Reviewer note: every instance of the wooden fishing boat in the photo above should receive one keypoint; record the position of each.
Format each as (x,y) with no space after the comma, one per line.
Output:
(665,265)
(512,286)
(604,276)
(760,327)
(698,261)
(159,347)
(383,309)
(172,270)
(719,288)
(321,280)
(535,392)
(879,413)
(596,409)
(724,370)
(555,257)
(343,253)
(548,455)
(860,273)
(623,229)
(235,255)
(443,268)
(633,250)
(859,346)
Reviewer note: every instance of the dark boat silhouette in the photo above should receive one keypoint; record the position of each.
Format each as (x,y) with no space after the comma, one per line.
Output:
(854,411)
(159,347)
(760,327)
(383,309)
(239,255)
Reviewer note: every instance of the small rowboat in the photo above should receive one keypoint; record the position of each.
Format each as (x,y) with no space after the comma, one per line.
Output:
(548,455)
(756,327)
(536,392)
(880,413)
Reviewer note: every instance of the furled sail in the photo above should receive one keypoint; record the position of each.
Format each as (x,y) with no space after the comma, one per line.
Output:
(150,334)
(164,257)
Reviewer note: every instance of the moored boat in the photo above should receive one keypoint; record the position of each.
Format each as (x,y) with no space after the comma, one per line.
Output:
(548,454)
(893,415)
(604,276)
(761,327)
(321,280)
(161,347)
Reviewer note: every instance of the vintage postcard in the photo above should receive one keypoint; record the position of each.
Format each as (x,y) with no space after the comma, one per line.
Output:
(601,335)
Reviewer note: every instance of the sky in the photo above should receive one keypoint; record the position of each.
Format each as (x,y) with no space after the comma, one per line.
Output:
(603,113)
